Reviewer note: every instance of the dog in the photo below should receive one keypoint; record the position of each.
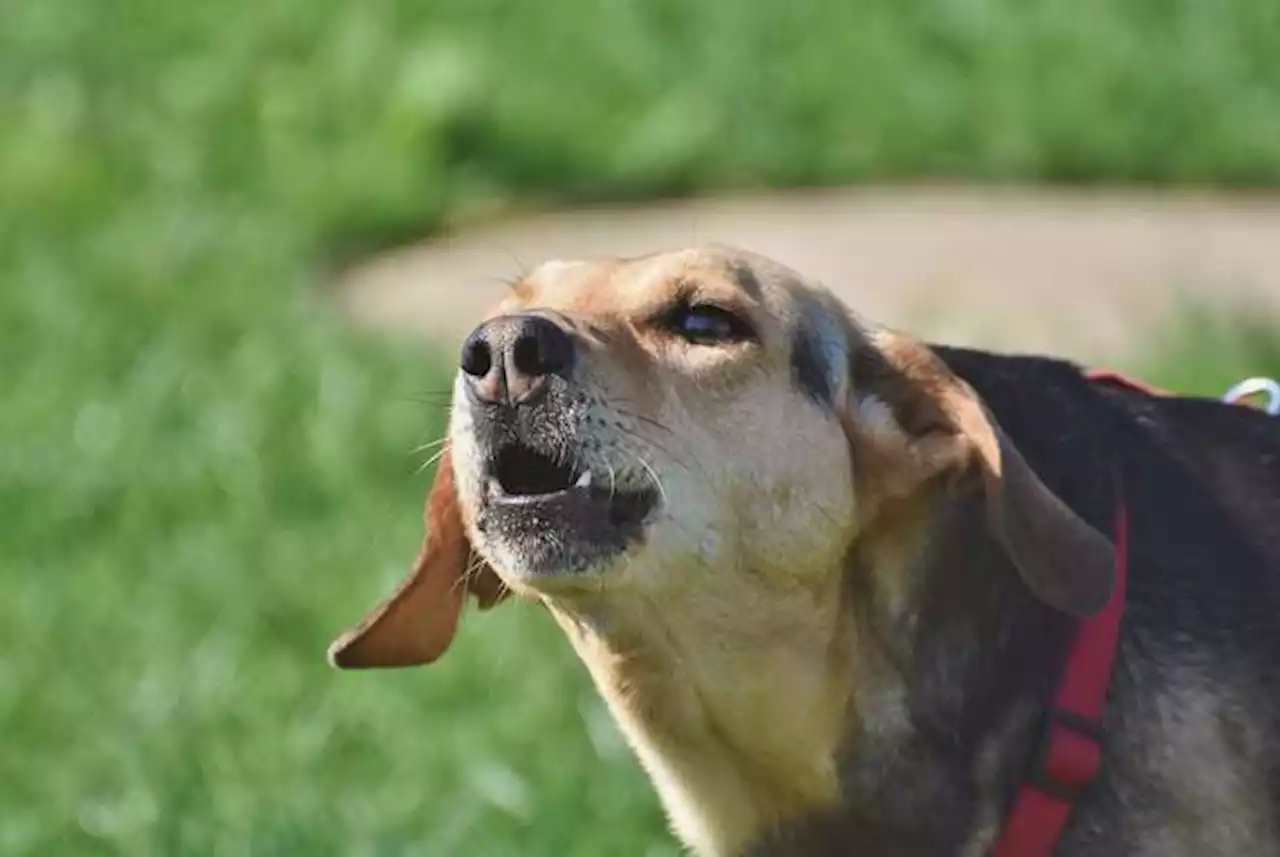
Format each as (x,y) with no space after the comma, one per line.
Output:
(827,576)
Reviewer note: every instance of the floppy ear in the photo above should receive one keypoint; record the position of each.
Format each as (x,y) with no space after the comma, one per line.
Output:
(912,423)
(417,623)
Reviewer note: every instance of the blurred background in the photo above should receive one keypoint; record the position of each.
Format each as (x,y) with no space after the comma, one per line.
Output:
(239,242)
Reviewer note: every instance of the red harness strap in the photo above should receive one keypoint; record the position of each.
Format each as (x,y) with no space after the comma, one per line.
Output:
(1069,757)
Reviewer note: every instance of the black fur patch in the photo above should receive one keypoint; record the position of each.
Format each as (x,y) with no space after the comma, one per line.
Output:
(809,367)
(746,280)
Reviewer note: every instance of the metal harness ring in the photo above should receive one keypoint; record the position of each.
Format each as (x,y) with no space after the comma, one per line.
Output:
(1250,387)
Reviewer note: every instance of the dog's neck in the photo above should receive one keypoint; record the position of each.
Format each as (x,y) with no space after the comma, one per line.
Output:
(759,716)
(735,711)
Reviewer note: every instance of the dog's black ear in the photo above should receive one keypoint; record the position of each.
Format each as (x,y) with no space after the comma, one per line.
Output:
(911,421)
(417,623)
(1066,562)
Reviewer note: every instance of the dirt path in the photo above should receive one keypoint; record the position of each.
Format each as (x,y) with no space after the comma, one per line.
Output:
(1072,273)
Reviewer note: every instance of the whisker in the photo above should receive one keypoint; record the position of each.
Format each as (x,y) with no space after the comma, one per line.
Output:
(474,565)
(635,415)
(430,444)
(522,269)
(511,283)
(462,582)
(647,441)
(681,460)
(647,420)
(653,474)
(432,460)
(655,423)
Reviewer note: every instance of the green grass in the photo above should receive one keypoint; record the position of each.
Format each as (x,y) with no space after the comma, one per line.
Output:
(1210,349)
(204,475)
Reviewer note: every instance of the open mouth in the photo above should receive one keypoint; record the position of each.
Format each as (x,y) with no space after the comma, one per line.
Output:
(556,513)
(524,476)
(521,471)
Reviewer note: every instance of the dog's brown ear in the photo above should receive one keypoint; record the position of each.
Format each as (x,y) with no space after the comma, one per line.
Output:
(417,623)
(912,423)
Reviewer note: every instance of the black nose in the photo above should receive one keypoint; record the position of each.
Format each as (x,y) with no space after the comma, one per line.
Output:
(508,359)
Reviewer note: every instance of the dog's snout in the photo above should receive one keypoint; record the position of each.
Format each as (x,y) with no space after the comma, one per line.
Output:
(507,360)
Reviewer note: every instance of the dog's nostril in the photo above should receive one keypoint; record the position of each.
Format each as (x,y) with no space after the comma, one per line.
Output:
(526,356)
(541,348)
(477,357)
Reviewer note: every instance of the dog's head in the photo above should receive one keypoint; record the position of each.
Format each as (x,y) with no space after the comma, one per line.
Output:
(700,420)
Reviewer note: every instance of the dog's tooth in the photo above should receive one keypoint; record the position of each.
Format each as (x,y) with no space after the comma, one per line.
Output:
(494,487)
(584,481)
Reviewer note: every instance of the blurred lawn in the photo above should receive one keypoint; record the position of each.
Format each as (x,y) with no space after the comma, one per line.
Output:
(203,476)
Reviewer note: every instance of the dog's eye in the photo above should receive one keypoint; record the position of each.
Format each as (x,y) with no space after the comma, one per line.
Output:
(708,324)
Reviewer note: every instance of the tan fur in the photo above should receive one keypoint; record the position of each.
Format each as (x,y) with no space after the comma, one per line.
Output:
(723,642)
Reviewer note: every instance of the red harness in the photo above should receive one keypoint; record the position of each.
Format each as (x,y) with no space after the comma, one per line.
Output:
(1069,757)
